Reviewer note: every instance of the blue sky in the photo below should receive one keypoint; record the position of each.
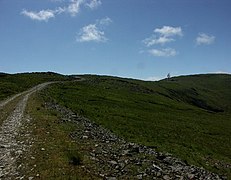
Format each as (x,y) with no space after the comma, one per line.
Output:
(144,39)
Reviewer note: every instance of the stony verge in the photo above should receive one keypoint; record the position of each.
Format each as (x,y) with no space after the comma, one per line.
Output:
(114,158)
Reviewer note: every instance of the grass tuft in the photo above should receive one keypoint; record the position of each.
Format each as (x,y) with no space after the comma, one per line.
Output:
(74,157)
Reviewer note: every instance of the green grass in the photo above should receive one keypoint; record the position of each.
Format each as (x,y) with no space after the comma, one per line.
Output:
(14,83)
(63,157)
(60,157)
(189,116)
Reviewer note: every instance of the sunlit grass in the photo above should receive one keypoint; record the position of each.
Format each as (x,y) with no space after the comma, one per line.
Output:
(54,153)
(187,116)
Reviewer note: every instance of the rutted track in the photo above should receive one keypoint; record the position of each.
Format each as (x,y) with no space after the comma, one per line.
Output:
(10,148)
(3,103)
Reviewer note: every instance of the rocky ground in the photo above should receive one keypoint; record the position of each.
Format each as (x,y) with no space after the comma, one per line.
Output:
(114,158)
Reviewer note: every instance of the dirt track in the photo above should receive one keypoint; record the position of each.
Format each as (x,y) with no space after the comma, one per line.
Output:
(10,148)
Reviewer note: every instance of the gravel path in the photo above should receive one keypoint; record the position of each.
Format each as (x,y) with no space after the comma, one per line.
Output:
(10,148)
(3,103)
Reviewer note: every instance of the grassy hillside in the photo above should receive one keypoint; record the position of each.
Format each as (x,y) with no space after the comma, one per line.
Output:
(14,83)
(189,116)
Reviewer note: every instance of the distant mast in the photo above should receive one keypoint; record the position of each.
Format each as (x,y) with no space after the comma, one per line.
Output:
(168,76)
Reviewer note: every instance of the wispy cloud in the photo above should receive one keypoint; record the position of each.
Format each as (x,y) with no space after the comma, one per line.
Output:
(72,8)
(167,52)
(93,4)
(204,39)
(91,33)
(94,32)
(104,22)
(163,35)
(75,5)
(43,15)
(168,31)
(153,40)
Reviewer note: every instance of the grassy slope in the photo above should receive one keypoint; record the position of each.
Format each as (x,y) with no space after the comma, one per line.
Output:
(186,116)
(61,158)
(11,84)
(14,83)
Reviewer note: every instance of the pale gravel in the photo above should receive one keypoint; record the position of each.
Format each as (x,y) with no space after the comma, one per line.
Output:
(10,148)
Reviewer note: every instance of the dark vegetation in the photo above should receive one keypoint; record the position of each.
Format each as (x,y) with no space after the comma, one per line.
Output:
(14,83)
(188,116)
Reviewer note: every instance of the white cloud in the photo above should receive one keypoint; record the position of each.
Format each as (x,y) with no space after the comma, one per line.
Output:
(43,15)
(59,10)
(205,39)
(167,52)
(104,21)
(93,4)
(153,40)
(163,35)
(91,33)
(74,7)
(168,31)
(94,32)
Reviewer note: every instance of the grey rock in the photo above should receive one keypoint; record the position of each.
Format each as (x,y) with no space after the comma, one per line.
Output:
(111,178)
(191,176)
(139,176)
(85,137)
(113,162)
(19,152)
(157,167)
(166,177)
